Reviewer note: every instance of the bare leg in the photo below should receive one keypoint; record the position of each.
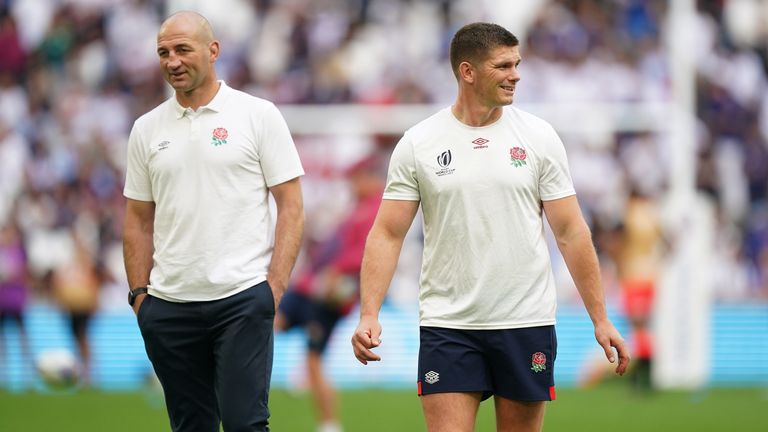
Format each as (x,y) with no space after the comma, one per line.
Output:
(85,354)
(26,353)
(5,373)
(280,323)
(518,416)
(322,392)
(450,412)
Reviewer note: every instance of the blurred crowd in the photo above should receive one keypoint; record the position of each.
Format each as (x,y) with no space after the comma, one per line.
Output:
(75,74)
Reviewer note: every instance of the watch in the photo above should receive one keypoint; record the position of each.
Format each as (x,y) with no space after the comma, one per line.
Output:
(132,294)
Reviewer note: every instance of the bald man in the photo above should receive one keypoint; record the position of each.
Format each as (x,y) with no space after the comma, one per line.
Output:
(204,272)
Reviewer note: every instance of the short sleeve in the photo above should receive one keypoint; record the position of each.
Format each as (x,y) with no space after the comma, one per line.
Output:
(555,177)
(137,182)
(279,159)
(402,181)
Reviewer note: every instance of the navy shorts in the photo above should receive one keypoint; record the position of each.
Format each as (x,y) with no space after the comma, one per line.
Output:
(318,319)
(516,364)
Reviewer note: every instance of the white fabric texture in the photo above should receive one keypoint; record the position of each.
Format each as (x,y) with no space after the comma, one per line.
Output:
(486,264)
(208,172)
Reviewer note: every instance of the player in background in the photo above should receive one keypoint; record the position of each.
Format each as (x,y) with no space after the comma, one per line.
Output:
(639,259)
(327,288)
(485,174)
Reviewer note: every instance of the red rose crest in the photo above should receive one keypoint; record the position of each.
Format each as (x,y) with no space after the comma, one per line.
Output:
(539,362)
(517,154)
(219,136)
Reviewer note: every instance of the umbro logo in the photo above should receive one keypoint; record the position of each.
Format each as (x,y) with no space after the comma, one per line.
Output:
(480,143)
(431,377)
(163,145)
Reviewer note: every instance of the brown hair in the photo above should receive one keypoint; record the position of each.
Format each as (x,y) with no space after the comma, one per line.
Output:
(473,42)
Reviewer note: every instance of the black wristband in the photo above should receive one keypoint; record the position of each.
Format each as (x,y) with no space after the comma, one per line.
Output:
(132,294)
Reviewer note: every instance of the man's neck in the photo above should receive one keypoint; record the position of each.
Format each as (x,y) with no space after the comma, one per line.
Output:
(198,97)
(472,113)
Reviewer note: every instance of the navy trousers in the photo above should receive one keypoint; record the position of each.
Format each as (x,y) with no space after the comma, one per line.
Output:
(213,359)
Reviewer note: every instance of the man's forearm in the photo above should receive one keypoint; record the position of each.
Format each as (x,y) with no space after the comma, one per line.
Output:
(137,255)
(581,259)
(379,263)
(288,232)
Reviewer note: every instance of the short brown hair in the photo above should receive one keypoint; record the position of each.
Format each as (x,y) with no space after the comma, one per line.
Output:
(473,42)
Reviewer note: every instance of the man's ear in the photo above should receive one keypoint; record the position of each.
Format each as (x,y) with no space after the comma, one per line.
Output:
(467,72)
(214,49)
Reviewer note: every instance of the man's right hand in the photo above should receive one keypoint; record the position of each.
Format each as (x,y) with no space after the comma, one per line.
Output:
(366,336)
(137,303)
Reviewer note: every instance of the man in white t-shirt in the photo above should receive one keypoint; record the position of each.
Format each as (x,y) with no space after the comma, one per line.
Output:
(205,268)
(484,174)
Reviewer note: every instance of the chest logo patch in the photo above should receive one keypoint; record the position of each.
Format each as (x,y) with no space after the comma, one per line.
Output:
(219,136)
(444,160)
(517,156)
(480,143)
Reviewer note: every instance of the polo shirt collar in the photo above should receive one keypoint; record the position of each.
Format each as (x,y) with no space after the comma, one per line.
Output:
(216,104)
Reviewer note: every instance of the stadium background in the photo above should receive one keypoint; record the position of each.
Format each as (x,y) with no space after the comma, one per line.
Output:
(666,97)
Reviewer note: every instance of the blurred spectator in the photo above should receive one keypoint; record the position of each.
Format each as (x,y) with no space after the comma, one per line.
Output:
(75,286)
(13,289)
(12,56)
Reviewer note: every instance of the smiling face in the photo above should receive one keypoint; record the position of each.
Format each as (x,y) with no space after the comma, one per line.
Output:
(187,53)
(496,76)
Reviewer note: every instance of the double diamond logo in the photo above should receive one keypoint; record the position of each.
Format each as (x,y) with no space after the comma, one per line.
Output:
(431,377)
(480,143)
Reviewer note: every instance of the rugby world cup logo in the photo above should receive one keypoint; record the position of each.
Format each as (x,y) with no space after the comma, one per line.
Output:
(444,159)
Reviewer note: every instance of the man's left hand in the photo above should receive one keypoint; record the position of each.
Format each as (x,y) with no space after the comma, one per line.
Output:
(609,338)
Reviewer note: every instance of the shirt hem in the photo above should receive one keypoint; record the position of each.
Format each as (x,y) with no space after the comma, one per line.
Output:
(188,299)
(400,197)
(485,326)
(284,178)
(137,196)
(558,195)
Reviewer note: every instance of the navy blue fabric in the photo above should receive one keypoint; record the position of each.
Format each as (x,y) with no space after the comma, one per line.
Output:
(494,362)
(317,318)
(213,359)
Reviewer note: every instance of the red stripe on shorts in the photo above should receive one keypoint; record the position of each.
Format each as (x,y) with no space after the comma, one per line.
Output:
(418,387)
(552,395)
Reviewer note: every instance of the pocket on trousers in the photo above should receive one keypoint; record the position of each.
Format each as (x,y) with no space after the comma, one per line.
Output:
(140,316)
(271,296)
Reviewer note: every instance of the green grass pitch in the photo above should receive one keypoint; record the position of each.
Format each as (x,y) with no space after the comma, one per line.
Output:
(608,407)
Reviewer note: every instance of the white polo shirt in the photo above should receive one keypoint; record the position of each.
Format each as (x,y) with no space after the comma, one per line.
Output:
(207,171)
(486,264)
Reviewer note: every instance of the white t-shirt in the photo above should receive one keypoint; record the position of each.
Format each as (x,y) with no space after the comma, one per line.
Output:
(207,171)
(486,264)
